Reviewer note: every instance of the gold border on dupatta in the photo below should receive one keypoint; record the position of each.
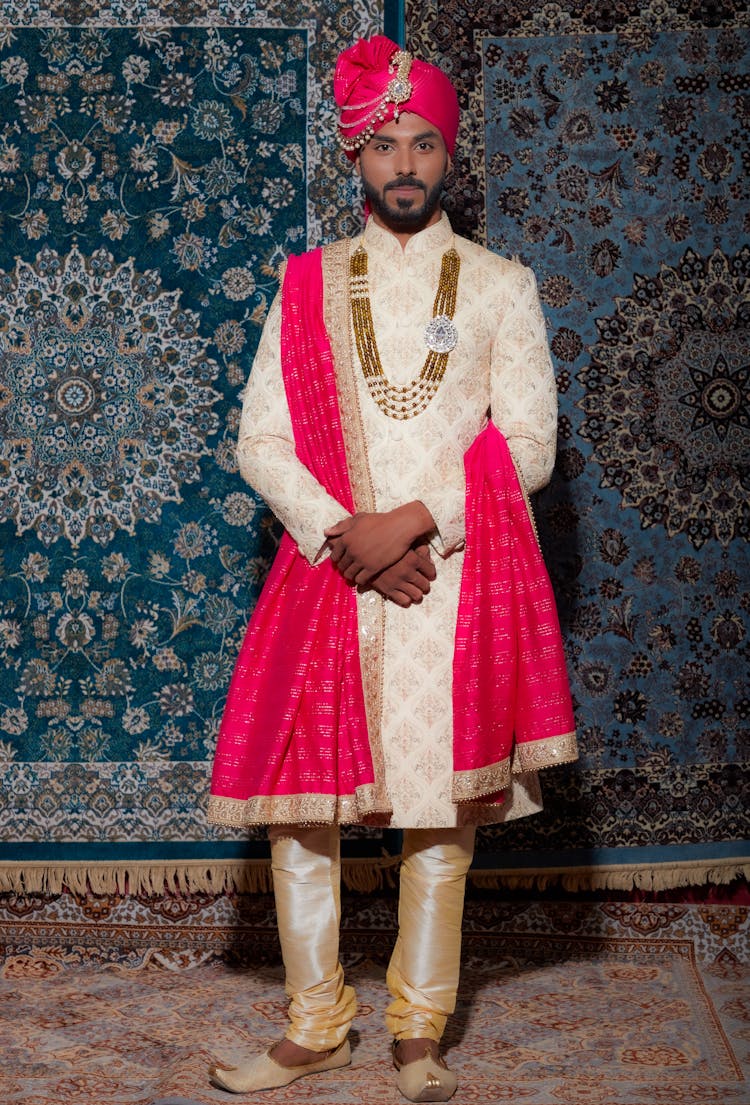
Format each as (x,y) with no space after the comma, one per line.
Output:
(473,785)
(296,809)
(469,786)
(370,605)
(540,754)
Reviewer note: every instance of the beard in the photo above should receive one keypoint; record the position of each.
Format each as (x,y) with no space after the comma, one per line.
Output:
(407,214)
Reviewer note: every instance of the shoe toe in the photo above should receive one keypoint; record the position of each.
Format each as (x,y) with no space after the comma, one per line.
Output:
(426,1080)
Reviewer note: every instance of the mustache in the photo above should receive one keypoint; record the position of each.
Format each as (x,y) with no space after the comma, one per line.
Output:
(409,182)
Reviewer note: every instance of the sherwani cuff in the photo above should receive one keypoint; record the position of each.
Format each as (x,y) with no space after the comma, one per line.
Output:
(534,459)
(311,541)
(447,510)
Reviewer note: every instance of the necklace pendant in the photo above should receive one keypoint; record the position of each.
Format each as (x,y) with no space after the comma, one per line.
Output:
(402,401)
(440,334)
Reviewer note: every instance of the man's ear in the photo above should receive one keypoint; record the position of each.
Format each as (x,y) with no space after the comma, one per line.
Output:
(357,168)
(448,164)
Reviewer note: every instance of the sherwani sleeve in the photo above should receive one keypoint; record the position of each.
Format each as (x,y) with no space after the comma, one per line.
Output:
(266,452)
(523,391)
(522,399)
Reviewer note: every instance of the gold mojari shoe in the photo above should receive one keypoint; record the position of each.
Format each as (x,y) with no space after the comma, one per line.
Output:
(426,1079)
(264,1073)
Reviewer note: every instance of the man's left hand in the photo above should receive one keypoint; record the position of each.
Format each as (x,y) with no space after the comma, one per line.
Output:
(368,543)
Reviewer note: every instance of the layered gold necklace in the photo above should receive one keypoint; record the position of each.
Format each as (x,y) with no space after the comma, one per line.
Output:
(405,400)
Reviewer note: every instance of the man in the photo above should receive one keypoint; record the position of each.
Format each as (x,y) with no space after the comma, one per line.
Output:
(403,665)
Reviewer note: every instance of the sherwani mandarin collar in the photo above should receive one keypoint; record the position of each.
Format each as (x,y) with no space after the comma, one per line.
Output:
(437,237)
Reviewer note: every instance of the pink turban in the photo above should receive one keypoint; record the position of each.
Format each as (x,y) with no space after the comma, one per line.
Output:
(375,80)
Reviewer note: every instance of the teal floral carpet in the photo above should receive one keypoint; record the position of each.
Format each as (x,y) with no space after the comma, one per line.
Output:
(157,163)
(158,159)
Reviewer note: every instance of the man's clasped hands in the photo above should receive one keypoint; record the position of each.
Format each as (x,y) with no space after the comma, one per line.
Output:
(387,551)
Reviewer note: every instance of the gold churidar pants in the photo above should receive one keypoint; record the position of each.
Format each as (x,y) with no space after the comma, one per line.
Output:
(423,973)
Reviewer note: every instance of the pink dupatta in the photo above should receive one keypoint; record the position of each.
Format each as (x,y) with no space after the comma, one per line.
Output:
(293,741)
(511,701)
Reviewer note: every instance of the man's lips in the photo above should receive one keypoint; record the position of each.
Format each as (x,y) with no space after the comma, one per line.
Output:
(404,189)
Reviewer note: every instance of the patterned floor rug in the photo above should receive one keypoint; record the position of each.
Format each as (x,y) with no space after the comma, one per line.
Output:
(561,1003)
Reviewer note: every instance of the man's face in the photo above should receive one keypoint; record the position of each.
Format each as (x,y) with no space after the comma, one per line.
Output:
(403,168)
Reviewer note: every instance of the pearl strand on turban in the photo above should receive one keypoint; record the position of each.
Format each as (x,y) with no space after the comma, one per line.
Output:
(375,80)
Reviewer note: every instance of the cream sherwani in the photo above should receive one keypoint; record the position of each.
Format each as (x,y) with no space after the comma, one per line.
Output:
(502,363)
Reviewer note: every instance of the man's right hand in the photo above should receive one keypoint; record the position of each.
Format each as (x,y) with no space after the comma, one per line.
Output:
(408,580)
(365,544)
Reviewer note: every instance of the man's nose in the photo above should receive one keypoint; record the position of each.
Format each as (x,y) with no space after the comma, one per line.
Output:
(405,163)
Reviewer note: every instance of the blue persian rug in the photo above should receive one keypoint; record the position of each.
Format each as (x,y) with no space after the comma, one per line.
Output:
(609,152)
(157,162)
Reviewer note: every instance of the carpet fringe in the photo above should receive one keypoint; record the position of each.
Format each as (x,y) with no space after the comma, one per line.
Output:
(145,878)
(665,876)
(365,875)
(188,877)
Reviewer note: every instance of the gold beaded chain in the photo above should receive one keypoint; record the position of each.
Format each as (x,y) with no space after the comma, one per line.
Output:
(400,400)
